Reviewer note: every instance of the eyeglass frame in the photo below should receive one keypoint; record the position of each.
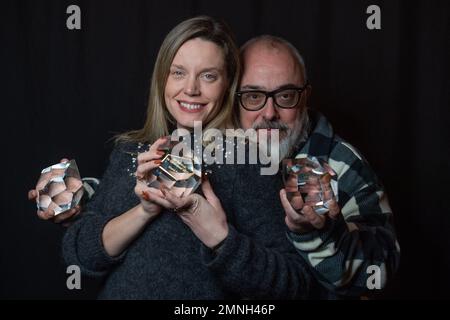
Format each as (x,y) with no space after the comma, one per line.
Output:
(271,94)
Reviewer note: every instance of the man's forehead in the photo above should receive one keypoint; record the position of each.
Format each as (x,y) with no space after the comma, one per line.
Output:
(270,76)
(263,54)
(267,67)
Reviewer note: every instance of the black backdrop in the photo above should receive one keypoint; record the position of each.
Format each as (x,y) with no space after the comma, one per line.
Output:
(65,92)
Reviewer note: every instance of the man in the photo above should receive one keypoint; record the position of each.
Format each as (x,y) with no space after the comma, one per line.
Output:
(357,232)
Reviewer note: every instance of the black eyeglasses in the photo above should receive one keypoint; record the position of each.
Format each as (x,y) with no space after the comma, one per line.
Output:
(286,98)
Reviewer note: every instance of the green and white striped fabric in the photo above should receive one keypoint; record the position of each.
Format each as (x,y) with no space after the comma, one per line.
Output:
(342,253)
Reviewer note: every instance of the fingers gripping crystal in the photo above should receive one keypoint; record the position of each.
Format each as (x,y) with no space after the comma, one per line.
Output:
(311,179)
(181,174)
(60,188)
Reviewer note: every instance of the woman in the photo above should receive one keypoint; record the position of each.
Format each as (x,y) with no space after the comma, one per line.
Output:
(195,76)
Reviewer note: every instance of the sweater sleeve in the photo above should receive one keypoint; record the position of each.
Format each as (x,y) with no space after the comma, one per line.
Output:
(82,243)
(252,270)
(361,242)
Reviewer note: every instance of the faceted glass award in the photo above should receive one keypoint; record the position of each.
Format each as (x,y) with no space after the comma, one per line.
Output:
(60,187)
(311,179)
(180,174)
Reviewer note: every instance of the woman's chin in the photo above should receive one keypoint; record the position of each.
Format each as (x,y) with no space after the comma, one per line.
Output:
(189,124)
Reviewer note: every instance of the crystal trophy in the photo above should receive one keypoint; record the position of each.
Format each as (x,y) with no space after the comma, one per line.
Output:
(311,181)
(180,174)
(59,188)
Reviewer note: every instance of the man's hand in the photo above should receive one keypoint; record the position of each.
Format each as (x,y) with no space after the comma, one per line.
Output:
(205,217)
(308,219)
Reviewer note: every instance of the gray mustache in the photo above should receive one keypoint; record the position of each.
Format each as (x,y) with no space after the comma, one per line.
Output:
(271,125)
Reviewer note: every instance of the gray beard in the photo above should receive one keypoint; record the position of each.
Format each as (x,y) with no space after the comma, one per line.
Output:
(293,137)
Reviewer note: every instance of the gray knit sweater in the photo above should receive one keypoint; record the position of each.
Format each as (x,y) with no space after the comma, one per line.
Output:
(167,261)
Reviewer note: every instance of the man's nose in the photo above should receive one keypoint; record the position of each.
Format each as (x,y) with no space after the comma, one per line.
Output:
(191,87)
(269,111)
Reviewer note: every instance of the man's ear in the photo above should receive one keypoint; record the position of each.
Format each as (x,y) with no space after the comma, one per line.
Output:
(306,94)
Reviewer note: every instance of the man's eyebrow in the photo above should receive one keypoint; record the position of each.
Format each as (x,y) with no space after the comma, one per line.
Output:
(288,86)
(252,87)
(256,87)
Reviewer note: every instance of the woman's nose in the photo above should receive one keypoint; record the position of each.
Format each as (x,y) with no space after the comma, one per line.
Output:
(192,88)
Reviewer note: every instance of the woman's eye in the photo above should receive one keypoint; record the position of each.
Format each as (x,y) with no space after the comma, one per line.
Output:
(209,76)
(177,73)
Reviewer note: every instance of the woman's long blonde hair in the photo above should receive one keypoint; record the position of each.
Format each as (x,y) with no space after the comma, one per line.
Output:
(158,117)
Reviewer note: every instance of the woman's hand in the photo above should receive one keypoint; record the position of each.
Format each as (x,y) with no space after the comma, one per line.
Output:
(147,161)
(62,218)
(205,217)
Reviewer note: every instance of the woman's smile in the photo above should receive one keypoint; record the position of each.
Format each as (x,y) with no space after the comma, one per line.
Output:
(191,107)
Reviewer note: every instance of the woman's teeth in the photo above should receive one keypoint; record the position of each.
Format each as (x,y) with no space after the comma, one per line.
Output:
(191,106)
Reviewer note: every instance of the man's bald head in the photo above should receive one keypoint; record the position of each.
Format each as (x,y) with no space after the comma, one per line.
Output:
(267,45)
